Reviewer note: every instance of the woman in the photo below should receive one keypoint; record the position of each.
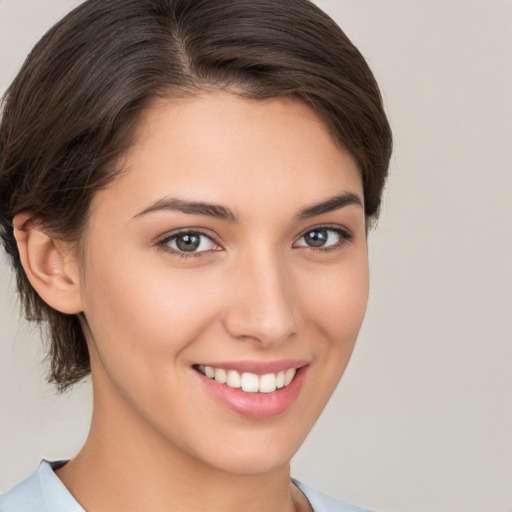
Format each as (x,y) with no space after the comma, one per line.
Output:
(186,189)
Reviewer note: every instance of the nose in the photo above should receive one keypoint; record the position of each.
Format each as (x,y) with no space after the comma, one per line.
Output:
(263,306)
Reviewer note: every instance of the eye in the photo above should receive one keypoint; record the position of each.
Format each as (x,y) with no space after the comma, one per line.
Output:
(323,237)
(188,242)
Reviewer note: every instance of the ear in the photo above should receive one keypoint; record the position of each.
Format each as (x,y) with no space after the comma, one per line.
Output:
(49,265)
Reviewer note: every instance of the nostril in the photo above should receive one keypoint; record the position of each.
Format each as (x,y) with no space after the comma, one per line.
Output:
(269,324)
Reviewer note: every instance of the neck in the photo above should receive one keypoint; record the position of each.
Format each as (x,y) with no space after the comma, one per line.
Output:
(125,465)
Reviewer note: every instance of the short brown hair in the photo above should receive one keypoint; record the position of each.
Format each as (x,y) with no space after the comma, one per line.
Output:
(71,112)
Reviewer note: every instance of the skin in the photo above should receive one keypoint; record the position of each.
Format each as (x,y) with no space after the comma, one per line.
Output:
(258,292)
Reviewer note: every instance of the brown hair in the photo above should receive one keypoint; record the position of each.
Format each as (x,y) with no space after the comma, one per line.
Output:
(72,110)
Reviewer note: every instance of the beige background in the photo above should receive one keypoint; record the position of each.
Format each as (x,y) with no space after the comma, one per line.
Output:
(422,421)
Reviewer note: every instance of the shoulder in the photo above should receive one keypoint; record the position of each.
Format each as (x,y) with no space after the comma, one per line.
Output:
(323,503)
(42,491)
(24,497)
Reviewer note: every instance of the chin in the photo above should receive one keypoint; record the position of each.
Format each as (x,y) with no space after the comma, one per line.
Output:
(251,454)
(252,464)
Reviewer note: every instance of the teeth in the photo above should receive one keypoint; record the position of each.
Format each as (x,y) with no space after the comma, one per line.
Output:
(288,376)
(221,375)
(233,380)
(268,383)
(250,382)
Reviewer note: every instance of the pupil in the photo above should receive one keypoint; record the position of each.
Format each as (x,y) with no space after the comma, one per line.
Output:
(188,243)
(316,238)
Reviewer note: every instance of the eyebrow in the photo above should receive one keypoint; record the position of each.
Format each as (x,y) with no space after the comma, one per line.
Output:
(223,213)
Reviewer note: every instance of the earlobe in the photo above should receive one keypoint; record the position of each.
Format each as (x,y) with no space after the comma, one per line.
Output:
(49,266)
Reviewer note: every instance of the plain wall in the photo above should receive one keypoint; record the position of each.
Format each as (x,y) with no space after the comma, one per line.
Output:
(422,420)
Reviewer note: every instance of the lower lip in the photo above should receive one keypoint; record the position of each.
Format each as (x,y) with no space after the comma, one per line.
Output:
(256,405)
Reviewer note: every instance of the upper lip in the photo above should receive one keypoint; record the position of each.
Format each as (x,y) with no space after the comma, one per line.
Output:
(258,367)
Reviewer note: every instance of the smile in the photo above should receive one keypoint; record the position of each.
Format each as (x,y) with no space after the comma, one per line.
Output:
(249,382)
(254,389)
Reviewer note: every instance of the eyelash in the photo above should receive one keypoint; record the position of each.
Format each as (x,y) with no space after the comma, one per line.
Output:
(345,237)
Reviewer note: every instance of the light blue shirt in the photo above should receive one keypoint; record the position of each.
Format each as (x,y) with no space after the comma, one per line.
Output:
(43,491)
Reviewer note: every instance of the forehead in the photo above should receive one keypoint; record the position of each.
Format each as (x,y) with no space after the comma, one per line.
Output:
(223,148)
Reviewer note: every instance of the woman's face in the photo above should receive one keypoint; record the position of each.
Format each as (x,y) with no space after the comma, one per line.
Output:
(232,245)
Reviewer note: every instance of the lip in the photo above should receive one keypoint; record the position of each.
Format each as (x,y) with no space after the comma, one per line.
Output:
(258,367)
(255,405)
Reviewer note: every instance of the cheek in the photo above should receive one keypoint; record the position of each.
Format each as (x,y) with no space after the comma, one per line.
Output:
(146,313)
(334,304)
(337,300)
(337,305)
